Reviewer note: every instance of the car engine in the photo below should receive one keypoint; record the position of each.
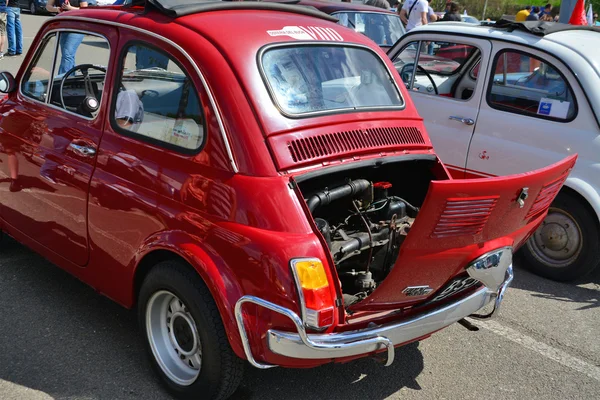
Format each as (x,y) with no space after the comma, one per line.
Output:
(364,228)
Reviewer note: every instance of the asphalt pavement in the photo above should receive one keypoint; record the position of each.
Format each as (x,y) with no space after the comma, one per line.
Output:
(59,339)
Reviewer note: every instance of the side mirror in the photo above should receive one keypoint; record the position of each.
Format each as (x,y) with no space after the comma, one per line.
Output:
(7,82)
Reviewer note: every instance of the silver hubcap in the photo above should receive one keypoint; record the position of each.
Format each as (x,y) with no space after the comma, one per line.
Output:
(557,242)
(173,338)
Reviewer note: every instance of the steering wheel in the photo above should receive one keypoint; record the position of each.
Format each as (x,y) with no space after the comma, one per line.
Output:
(405,75)
(90,103)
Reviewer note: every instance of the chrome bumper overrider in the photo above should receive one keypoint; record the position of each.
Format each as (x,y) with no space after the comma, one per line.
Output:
(494,270)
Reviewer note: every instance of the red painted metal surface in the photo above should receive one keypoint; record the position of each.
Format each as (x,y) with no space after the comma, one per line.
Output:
(441,257)
(238,230)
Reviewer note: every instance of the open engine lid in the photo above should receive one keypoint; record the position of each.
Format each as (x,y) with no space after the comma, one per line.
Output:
(459,220)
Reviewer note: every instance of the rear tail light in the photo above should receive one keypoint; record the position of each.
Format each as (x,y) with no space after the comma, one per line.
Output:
(316,301)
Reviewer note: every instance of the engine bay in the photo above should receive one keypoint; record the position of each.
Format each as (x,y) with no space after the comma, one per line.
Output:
(364,217)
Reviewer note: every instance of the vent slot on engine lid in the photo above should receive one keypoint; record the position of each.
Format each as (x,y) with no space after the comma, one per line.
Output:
(329,144)
(546,196)
(464,216)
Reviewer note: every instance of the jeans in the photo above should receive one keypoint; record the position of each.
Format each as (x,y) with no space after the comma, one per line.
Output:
(69,42)
(13,30)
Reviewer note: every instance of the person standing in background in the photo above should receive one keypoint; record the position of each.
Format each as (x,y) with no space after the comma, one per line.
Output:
(452,13)
(534,15)
(69,42)
(523,14)
(2,26)
(14,32)
(378,3)
(414,13)
(547,10)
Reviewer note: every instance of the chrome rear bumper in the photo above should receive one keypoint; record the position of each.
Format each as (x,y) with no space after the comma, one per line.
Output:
(496,277)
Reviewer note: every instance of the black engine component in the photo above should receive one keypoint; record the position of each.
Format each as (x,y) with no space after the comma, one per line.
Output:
(325,229)
(324,197)
(391,207)
(365,240)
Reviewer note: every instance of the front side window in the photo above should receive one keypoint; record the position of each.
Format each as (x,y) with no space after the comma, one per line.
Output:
(440,68)
(524,84)
(80,72)
(35,80)
(316,79)
(157,100)
(76,67)
(383,28)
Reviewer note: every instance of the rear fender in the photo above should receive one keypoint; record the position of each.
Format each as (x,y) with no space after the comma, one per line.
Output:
(215,273)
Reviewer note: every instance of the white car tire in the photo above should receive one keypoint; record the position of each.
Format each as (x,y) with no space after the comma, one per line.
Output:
(566,246)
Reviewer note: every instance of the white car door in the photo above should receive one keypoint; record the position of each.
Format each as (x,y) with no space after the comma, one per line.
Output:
(446,89)
(533,114)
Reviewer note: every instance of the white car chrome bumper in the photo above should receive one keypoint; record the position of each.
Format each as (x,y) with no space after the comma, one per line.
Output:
(496,276)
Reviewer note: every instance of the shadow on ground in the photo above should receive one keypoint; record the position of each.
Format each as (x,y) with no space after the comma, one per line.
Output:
(60,337)
(585,291)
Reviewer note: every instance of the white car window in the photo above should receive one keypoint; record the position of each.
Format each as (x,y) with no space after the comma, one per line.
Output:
(440,68)
(524,84)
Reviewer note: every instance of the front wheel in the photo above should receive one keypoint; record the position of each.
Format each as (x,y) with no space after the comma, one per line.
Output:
(566,246)
(184,334)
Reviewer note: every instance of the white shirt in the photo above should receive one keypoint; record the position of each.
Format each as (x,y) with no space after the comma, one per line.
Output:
(414,18)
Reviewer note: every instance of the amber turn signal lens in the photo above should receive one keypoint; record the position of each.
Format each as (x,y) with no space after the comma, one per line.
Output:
(311,274)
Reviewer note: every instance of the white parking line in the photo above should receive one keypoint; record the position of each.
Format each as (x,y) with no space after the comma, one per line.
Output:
(547,351)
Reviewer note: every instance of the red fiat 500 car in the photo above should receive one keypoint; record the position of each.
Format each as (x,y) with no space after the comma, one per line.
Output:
(273,198)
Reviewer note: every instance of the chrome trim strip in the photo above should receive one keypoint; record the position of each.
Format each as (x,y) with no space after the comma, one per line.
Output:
(499,296)
(348,344)
(192,62)
(51,78)
(489,267)
(327,349)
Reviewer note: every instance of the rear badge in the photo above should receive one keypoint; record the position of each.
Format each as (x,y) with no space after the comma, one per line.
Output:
(417,290)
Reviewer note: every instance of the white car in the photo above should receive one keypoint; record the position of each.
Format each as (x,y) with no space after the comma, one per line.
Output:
(503,100)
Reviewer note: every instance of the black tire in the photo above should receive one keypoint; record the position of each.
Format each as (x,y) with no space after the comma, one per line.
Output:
(221,370)
(585,260)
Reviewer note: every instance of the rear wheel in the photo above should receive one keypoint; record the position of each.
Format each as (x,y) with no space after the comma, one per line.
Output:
(184,334)
(566,246)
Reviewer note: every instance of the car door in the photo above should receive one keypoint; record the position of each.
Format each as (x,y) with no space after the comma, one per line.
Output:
(534,113)
(49,138)
(446,89)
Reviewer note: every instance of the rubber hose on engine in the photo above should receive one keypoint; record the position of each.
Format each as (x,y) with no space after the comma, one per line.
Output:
(325,197)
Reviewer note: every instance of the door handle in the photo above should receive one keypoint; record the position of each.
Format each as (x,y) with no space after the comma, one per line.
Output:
(466,121)
(85,151)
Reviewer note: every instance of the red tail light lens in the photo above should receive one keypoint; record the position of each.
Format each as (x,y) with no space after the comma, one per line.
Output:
(316,301)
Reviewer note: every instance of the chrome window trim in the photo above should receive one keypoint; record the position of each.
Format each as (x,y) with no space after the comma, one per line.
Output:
(49,92)
(310,114)
(190,60)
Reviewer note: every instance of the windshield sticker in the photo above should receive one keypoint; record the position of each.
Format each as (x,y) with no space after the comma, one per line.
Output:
(308,33)
(553,108)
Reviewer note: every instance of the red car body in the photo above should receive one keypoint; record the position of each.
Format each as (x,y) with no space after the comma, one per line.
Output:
(235,211)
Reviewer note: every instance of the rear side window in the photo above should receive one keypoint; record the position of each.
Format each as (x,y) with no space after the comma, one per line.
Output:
(157,100)
(305,80)
(524,84)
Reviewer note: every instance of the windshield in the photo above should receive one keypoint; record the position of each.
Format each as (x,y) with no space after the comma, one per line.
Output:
(312,79)
(382,28)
